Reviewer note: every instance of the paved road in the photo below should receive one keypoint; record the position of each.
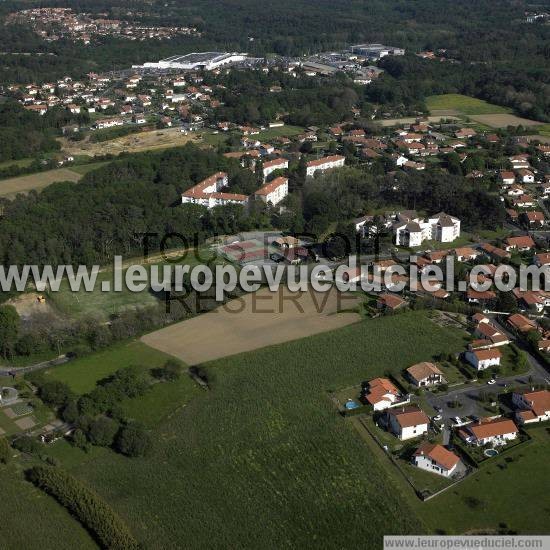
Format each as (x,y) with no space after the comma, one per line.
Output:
(45,364)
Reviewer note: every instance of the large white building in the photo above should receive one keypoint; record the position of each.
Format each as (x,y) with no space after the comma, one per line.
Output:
(411,230)
(272,165)
(194,61)
(376,51)
(325,163)
(209,193)
(274,191)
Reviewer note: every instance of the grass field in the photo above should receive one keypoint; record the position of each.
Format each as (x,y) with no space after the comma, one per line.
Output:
(39,180)
(23,184)
(20,163)
(263,456)
(285,131)
(462,104)
(97,302)
(82,374)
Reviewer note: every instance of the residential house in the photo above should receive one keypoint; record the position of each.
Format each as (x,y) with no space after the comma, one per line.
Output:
(507,178)
(480,296)
(519,162)
(425,374)
(491,431)
(407,422)
(524,201)
(435,458)
(533,218)
(387,301)
(465,254)
(494,251)
(465,133)
(522,243)
(542,259)
(526,176)
(482,359)
(382,394)
(491,336)
(520,323)
(515,190)
(534,406)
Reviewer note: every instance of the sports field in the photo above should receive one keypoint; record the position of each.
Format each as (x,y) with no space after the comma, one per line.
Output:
(253,321)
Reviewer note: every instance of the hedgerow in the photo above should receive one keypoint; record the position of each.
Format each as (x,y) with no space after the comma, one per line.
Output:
(95,515)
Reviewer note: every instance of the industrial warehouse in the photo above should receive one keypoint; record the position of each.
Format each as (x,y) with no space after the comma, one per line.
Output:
(203,60)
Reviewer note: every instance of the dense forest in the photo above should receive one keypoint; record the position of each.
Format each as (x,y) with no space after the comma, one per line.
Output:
(25,134)
(499,56)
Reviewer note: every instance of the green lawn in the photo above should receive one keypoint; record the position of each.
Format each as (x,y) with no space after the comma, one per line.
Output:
(463,104)
(20,163)
(97,302)
(263,456)
(490,496)
(286,131)
(82,374)
(83,169)
(103,304)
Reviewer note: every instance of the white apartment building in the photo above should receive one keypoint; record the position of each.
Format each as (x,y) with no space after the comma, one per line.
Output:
(272,165)
(209,193)
(411,230)
(325,163)
(273,192)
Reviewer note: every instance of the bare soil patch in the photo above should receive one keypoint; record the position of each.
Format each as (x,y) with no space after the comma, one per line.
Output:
(254,321)
(503,120)
(132,143)
(28,305)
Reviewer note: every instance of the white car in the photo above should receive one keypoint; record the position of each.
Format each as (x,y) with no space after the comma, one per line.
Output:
(437,417)
(492,381)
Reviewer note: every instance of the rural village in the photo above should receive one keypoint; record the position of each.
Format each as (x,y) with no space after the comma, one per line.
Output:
(442,389)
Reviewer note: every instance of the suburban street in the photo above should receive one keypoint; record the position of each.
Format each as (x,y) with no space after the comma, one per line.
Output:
(469,396)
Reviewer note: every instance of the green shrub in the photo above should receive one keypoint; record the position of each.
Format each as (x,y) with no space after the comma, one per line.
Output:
(132,440)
